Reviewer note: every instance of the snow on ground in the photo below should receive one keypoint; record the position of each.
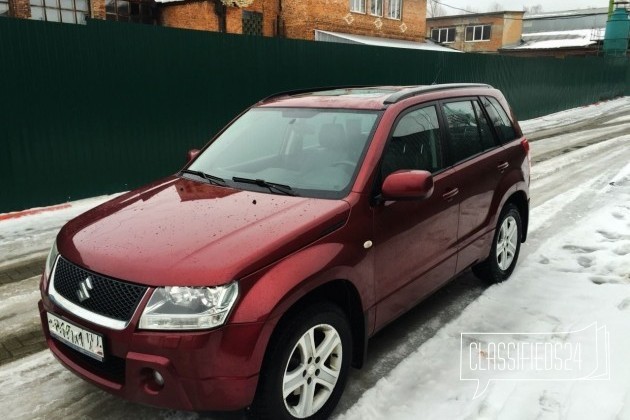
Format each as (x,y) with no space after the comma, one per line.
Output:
(575,115)
(38,387)
(14,298)
(578,277)
(23,237)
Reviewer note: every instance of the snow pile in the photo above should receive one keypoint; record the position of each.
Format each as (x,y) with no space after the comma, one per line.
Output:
(572,116)
(579,277)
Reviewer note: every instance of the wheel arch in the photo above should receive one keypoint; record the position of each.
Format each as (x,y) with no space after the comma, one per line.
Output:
(519,199)
(345,295)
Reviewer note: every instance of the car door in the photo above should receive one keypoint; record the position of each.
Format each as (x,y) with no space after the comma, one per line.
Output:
(414,241)
(478,162)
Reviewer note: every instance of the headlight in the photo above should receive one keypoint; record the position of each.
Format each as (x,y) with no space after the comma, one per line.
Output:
(50,261)
(188,308)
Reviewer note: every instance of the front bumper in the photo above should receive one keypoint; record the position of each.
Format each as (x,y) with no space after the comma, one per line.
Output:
(202,371)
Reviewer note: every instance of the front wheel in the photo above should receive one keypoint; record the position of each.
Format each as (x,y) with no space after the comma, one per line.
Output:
(505,247)
(306,367)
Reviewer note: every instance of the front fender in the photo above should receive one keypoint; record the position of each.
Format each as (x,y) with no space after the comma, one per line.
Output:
(269,293)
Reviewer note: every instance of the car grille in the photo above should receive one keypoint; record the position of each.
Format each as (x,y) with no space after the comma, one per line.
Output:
(108,297)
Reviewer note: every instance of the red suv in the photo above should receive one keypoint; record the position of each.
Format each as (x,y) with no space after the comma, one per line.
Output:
(255,276)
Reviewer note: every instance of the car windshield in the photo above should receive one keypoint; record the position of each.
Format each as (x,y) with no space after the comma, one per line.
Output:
(313,152)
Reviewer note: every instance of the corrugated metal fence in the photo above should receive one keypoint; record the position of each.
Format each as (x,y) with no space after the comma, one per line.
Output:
(105,107)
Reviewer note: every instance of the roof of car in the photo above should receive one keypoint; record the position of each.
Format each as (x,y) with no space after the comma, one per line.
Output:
(356,97)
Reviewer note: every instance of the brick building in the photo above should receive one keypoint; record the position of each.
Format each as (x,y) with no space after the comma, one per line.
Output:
(477,32)
(299,19)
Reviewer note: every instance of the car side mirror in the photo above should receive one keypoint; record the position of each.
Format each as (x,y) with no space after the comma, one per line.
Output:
(192,153)
(407,185)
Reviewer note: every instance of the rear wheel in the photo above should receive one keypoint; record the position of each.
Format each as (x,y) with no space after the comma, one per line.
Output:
(306,367)
(505,247)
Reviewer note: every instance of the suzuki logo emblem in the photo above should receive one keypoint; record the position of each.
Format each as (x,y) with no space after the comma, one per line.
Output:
(84,289)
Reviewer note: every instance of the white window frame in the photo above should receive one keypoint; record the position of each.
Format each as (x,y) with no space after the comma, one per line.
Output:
(394,9)
(357,6)
(64,11)
(445,31)
(373,4)
(473,33)
(7,8)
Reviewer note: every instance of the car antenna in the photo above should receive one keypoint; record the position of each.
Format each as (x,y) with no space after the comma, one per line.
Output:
(439,70)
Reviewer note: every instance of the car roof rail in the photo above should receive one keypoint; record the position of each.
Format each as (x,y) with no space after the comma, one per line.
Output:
(417,90)
(311,90)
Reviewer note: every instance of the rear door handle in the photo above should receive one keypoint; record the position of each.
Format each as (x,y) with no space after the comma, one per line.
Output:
(448,196)
(503,166)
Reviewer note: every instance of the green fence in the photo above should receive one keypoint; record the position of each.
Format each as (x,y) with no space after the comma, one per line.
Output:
(106,107)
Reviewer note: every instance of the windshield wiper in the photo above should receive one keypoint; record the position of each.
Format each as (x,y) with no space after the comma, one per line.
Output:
(210,178)
(272,186)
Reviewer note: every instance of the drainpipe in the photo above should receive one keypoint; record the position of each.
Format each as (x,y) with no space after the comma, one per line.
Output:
(279,19)
(221,11)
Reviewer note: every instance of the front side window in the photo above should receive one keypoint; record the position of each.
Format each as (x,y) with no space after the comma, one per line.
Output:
(138,11)
(478,33)
(357,6)
(467,135)
(66,11)
(4,7)
(316,152)
(376,7)
(394,9)
(443,35)
(415,143)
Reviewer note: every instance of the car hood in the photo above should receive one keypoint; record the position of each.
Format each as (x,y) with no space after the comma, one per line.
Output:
(181,232)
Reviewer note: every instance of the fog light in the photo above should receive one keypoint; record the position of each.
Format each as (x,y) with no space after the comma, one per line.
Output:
(158,378)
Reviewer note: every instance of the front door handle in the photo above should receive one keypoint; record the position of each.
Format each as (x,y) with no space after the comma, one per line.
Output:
(503,166)
(448,196)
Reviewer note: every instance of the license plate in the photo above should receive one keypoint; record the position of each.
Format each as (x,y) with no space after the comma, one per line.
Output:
(86,342)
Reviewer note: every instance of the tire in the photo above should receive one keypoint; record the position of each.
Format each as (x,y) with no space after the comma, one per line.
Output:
(290,362)
(506,246)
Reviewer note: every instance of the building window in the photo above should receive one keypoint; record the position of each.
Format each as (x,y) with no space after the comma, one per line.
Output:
(66,11)
(478,33)
(444,35)
(394,9)
(252,23)
(4,7)
(357,6)
(138,11)
(376,7)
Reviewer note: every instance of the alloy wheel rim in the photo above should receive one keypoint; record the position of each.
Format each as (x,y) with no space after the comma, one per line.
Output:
(312,371)
(507,243)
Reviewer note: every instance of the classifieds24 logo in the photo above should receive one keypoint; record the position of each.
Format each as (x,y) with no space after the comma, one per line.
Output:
(578,355)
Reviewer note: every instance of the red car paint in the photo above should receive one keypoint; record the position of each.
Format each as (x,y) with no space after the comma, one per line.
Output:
(389,255)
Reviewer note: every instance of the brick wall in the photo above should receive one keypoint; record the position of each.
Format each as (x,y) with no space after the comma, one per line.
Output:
(513,28)
(201,15)
(302,17)
(506,30)
(20,8)
(97,9)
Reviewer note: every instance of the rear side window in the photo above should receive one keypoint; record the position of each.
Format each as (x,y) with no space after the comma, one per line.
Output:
(469,131)
(415,143)
(499,119)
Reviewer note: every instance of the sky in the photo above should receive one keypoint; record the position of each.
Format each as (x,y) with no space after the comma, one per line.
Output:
(547,5)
